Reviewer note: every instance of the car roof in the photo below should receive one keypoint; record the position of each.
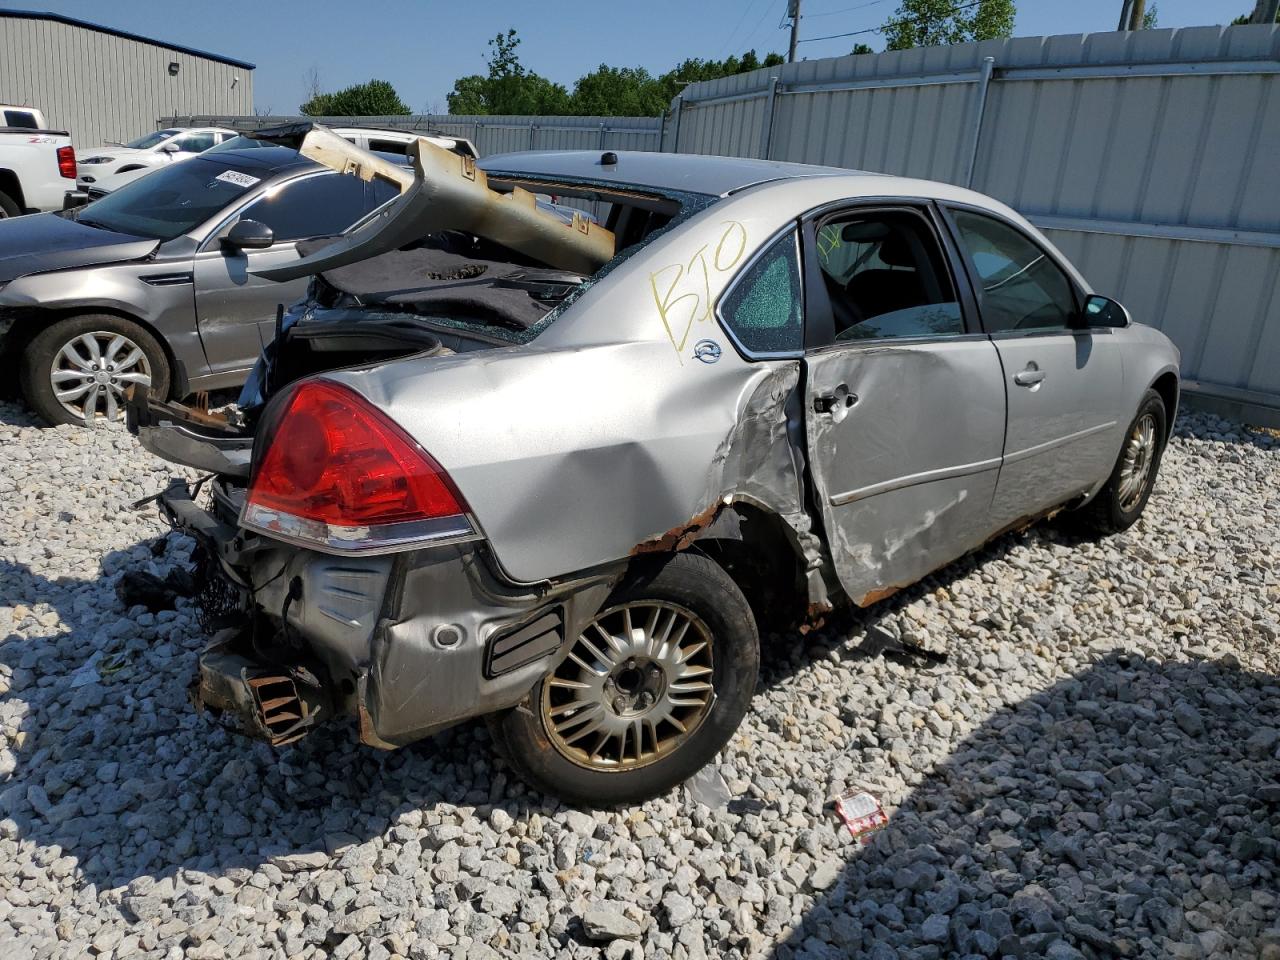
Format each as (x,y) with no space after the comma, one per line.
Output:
(691,173)
(272,160)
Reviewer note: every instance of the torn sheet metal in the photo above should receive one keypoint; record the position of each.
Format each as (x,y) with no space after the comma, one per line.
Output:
(446,192)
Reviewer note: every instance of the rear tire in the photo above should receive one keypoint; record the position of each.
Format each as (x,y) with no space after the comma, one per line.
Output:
(8,206)
(690,628)
(65,351)
(1121,501)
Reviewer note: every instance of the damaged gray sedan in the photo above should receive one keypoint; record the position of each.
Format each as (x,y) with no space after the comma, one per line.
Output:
(560,473)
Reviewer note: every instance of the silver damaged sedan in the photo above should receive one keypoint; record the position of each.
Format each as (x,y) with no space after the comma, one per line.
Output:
(562,471)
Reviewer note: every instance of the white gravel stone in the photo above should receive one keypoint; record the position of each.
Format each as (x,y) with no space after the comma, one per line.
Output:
(1090,771)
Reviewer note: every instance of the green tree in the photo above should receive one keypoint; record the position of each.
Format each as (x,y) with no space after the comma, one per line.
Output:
(508,88)
(618,92)
(377,98)
(939,23)
(1248,18)
(1151,17)
(861,48)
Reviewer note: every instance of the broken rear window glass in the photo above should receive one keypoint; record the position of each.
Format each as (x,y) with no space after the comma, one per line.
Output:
(763,310)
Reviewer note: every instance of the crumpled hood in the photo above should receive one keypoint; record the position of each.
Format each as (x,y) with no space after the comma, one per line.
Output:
(46,241)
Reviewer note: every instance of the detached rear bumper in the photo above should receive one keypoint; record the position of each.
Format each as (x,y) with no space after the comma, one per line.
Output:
(264,702)
(406,643)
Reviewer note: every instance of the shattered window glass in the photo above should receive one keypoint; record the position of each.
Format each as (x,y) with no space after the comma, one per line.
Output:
(763,310)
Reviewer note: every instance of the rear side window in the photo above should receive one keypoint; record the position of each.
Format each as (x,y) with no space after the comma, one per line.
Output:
(398,147)
(318,206)
(886,277)
(764,310)
(1022,288)
(23,119)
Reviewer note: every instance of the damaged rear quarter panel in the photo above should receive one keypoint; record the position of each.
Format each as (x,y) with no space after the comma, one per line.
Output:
(605,432)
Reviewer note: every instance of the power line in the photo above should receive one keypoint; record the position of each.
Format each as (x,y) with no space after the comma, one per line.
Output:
(879,29)
(746,11)
(756,29)
(832,13)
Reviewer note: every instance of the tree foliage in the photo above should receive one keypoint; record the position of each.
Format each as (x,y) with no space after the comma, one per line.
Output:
(939,23)
(377,98)
(1248,18)
(510,88)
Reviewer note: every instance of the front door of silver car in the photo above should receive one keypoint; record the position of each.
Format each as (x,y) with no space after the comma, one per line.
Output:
(1064,381)
(904,399)
(227,288)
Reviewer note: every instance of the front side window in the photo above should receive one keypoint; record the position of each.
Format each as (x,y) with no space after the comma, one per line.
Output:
(318,206)
(886,277)
(764,310)
(1021,287)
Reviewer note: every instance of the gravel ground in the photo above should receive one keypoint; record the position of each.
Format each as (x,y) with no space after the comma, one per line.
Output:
(1091,771)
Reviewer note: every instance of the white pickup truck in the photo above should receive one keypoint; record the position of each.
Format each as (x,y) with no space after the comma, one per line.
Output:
(37,165)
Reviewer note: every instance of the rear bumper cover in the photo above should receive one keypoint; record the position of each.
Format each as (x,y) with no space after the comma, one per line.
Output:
(408,643)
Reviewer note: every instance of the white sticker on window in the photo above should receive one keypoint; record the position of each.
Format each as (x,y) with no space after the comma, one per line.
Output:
(238,178)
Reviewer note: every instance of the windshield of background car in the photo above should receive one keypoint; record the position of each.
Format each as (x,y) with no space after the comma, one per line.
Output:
(151,140)
(169,202)
(239,143)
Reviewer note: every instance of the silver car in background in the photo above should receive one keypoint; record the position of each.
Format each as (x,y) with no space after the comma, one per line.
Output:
(562,478)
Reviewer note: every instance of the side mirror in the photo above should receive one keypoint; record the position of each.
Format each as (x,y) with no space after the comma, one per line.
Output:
(170,148)
(248,235)
(1105,312)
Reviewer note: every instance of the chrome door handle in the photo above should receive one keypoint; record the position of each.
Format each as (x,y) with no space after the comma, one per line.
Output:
(1029,377)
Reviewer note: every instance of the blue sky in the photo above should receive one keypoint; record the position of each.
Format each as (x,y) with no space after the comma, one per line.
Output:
(421,46)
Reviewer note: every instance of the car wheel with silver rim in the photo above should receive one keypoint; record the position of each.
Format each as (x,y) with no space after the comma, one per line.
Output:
(1124,496)
(79,370)
(649,690)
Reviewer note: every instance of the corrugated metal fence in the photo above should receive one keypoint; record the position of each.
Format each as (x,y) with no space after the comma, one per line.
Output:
(1152,159)
(490,134)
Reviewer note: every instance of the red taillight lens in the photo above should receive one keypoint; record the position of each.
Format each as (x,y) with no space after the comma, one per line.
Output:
(67,162)
(338,471)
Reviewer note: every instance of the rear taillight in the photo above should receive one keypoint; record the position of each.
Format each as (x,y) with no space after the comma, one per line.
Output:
(338,473)
(67,162)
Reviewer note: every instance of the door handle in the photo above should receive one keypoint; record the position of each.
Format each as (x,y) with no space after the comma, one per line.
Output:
(837,401)
(1029,377)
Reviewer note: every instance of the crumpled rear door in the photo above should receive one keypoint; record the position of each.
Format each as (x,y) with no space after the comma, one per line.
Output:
(904,444)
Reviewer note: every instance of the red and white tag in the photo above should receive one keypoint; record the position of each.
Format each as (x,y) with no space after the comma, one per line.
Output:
(861,813)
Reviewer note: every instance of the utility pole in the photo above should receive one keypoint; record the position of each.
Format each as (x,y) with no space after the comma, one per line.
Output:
(1265,11)
(1137,14)
(1124,15)
(793,11)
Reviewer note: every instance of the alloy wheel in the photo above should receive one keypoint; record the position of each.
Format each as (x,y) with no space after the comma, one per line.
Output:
(91,372)
(1135,465)
(635,685)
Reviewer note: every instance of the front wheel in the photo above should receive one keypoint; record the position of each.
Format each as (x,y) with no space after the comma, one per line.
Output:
(649,692)
(1119,504)
(77,370)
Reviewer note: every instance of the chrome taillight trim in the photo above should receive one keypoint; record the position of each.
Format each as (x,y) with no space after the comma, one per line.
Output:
(345,541)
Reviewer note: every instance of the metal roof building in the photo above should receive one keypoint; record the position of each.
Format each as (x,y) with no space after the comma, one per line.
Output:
(102,84)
